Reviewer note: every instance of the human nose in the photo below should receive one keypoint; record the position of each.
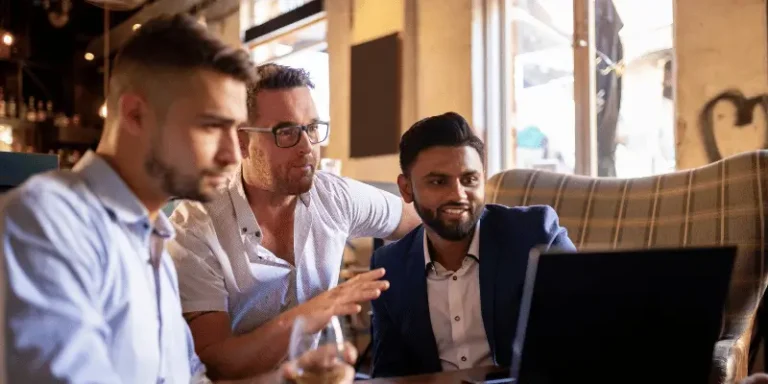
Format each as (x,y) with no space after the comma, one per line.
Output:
(228,151)
(458,192)
(304,145)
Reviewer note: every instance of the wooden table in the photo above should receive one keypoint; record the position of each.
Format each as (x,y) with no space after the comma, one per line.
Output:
(454,377)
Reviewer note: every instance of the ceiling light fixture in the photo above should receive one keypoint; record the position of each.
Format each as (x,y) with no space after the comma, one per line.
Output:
(7,39)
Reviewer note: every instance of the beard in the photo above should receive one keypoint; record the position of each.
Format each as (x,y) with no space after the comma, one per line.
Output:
(452,230)
(279,178)
(173,182)
(287,184)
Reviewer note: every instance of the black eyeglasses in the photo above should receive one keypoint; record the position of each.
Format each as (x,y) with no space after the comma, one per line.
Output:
(288,136)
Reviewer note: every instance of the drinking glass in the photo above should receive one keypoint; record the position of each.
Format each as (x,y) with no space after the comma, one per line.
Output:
(310,334)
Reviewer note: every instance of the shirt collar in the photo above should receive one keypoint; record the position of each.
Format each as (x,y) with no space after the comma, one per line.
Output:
(118,200)
(246,220)
(474,247)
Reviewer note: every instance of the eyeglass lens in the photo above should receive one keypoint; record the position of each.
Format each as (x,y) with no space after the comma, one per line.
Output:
(290,136)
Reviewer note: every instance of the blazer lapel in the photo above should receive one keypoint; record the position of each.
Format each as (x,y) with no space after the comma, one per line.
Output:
(488,263)
(418,323)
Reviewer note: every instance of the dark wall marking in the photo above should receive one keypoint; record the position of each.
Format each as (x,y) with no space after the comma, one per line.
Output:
(745,115)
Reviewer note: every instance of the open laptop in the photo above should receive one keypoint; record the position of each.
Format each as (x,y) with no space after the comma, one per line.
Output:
(641,316)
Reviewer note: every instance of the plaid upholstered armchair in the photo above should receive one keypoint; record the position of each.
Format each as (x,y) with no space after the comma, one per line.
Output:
(721,203)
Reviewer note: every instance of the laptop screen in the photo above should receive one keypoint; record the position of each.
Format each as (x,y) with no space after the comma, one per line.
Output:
(621,316)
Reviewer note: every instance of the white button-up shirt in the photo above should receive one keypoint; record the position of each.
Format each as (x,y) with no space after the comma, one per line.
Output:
(222,265)
(454,310)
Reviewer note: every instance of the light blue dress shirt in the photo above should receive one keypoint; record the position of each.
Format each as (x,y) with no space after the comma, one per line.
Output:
(91,296)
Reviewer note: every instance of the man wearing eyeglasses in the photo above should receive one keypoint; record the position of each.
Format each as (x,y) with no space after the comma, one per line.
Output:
(270,248)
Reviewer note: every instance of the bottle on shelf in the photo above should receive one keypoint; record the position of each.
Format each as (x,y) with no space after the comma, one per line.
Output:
(12,111)
(22,110)
(31,114)
(41,114)
(2,103)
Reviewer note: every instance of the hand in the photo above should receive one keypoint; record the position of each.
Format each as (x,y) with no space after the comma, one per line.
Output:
(344,299)
(323,360)
(758,378)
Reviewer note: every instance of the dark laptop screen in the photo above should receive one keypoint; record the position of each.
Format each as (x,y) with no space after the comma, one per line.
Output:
(633,316)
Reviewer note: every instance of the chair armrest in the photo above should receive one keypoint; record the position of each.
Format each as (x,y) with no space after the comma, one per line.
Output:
(730,361)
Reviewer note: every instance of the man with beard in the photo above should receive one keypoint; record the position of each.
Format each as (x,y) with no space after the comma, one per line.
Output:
(456,280)
(270,248)
(89,294)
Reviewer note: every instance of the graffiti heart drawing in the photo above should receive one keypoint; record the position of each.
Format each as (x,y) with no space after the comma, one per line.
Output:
(731,123)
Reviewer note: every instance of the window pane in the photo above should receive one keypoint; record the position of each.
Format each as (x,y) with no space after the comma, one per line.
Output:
(311,37)
(256,12)
(635,111)
(543,60)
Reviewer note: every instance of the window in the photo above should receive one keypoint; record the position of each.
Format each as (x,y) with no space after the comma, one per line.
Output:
(632,132)
(256,12)
(635,111)
(543,85)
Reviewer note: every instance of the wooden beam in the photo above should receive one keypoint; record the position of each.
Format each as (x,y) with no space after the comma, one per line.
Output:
(121,33)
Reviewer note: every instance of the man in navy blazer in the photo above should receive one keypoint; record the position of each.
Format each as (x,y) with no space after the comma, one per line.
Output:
(456,280)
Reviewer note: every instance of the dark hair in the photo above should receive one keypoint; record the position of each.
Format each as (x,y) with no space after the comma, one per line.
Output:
(179,42)
(276,76)
(448,129)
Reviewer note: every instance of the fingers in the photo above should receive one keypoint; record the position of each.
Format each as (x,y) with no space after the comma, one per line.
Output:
(368,276)
(319,359)
(349,375)
(381,285)
(349,353)
(345,292)
(345,309)
(322,358)
(289,371)
(360,296)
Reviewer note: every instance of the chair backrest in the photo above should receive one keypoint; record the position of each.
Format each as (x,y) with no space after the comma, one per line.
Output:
(722,203)
(16,167)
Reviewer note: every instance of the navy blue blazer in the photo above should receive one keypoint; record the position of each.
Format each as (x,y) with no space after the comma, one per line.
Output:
(403,341)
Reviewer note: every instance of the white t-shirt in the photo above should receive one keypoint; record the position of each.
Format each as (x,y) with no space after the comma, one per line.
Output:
(223,267)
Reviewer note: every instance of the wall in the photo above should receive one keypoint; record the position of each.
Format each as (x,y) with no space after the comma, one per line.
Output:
(228,29)
(720,46)
(353,22)
(437,37)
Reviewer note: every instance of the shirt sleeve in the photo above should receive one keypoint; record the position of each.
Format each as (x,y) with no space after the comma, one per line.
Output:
(372,212)
(201,279)
(54,331)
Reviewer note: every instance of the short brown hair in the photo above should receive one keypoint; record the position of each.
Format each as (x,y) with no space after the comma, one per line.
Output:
(180,42)
(275,76)
(169,45)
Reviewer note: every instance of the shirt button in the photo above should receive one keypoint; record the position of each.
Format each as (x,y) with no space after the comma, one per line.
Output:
(463,358)
(245,229)
(457,318)
(258,233)
(455,278)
